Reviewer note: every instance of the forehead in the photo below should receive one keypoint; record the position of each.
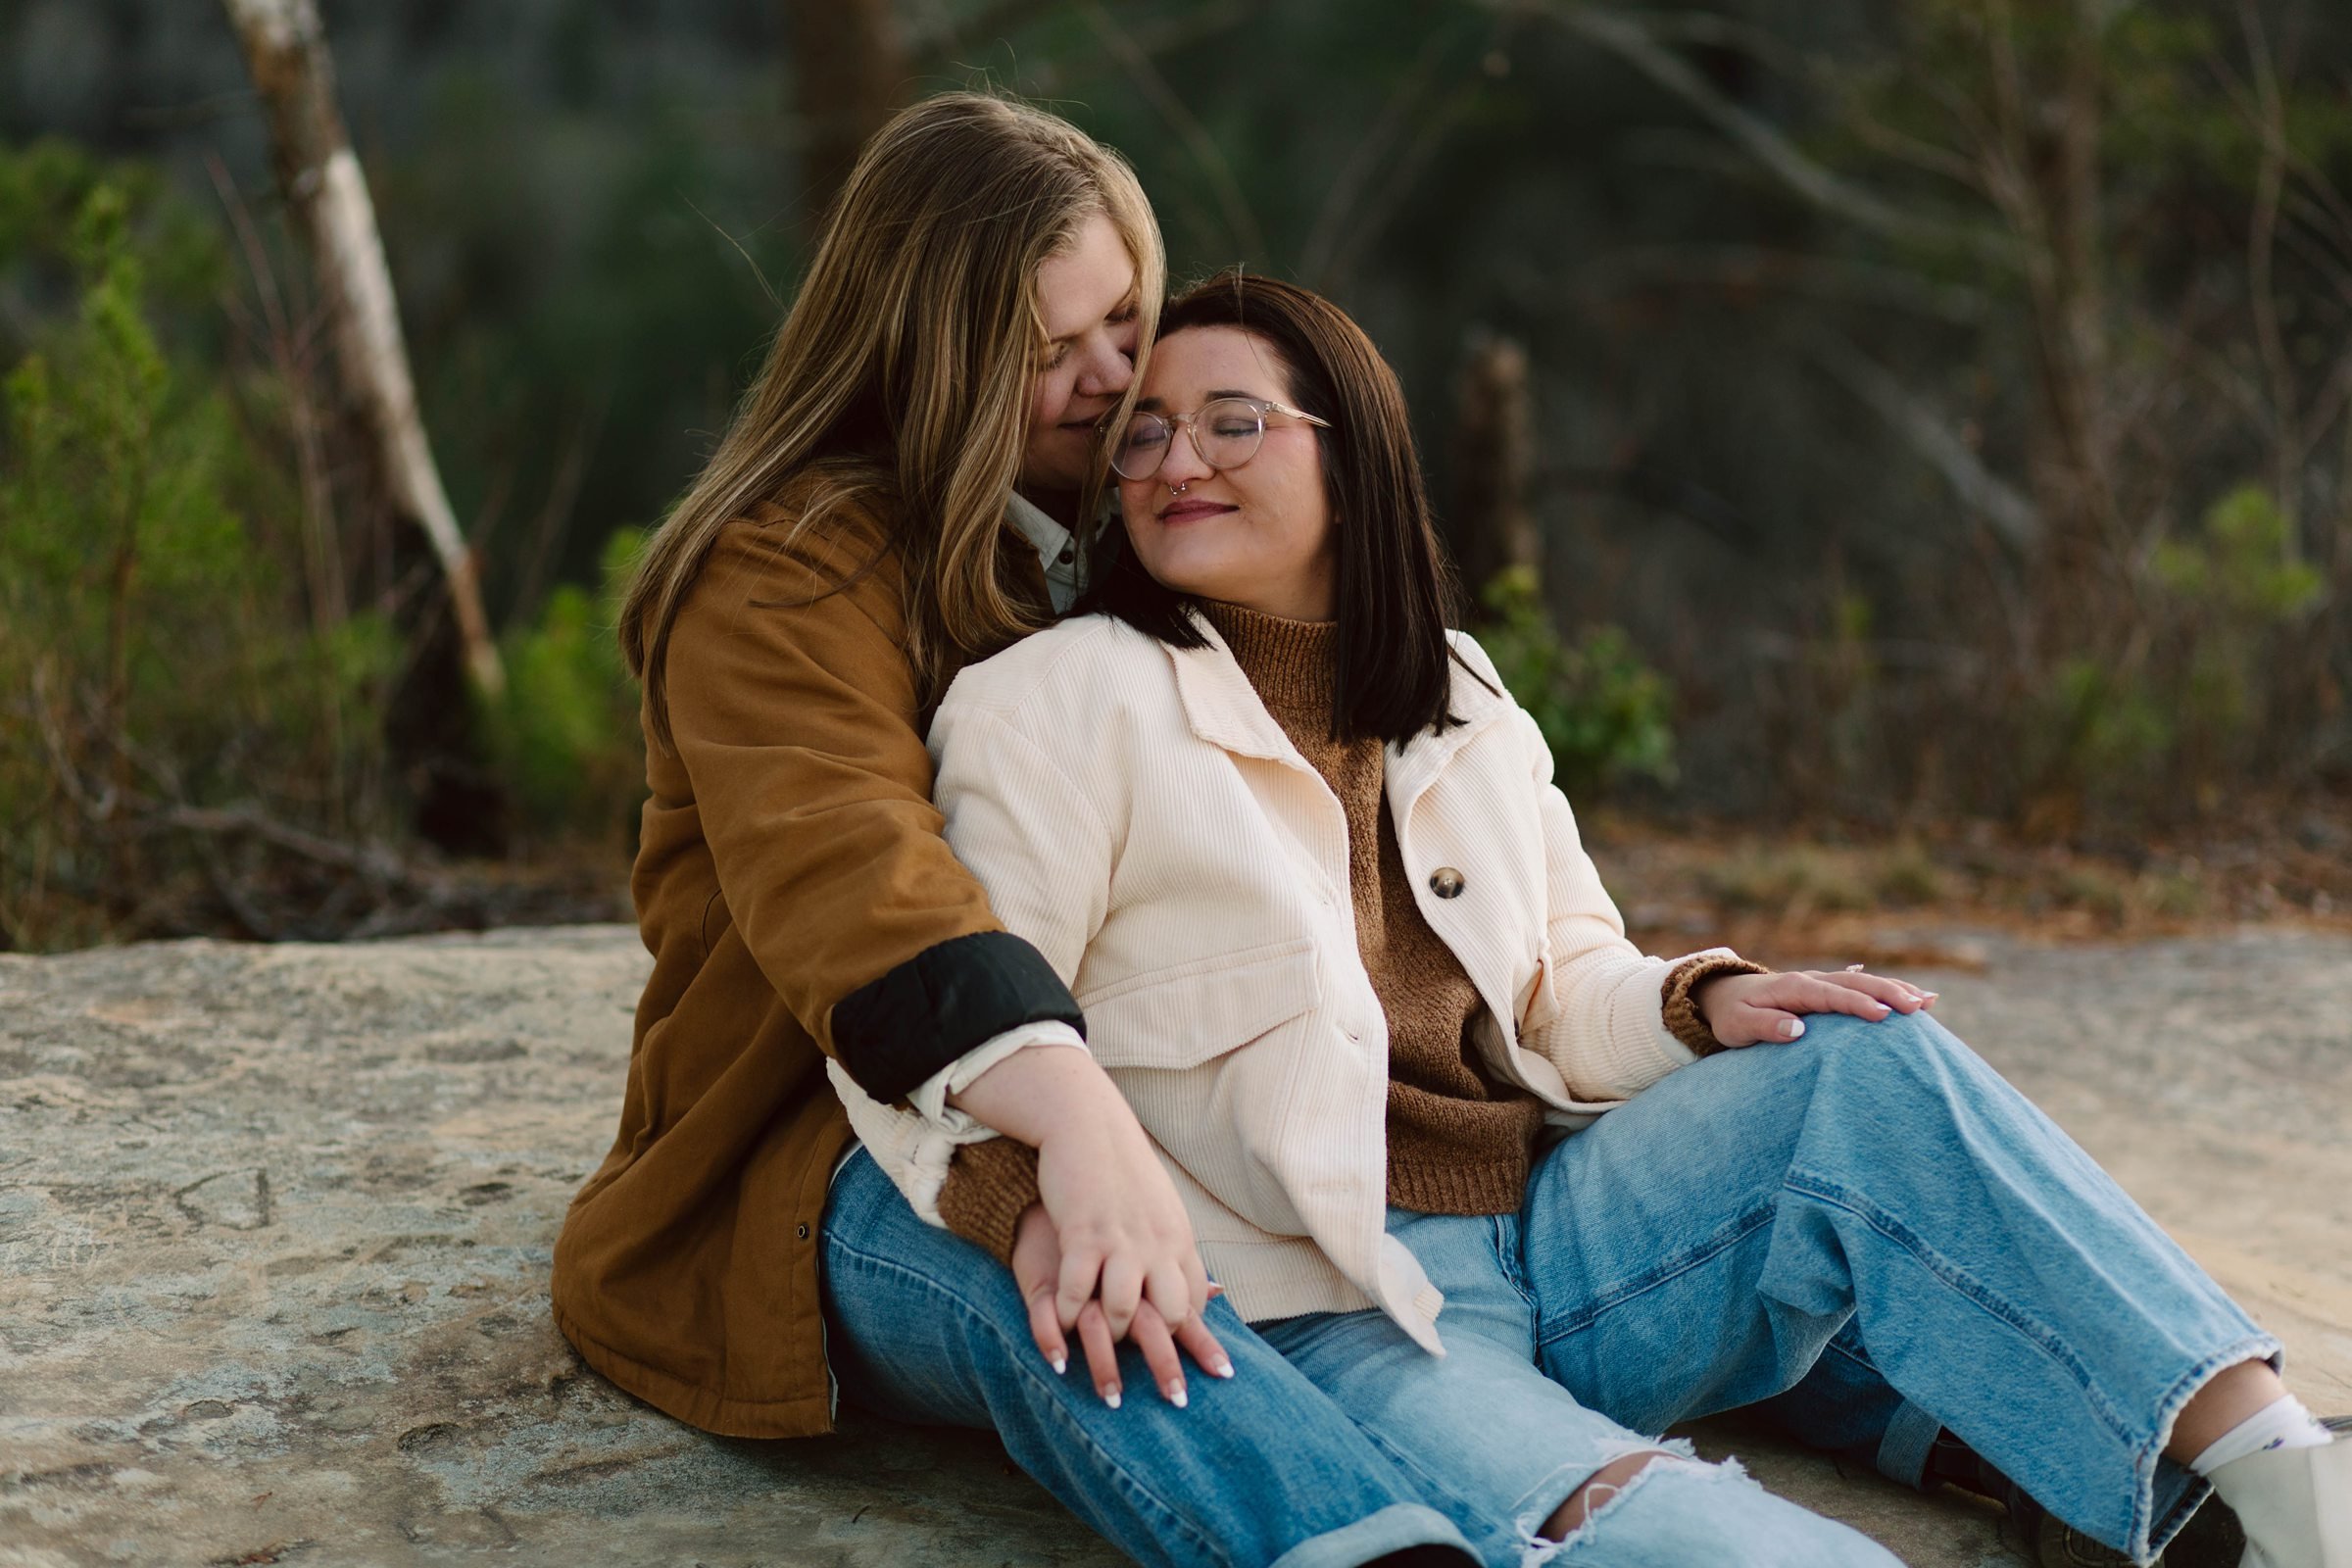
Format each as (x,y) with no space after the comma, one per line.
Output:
(1092,278)
(1199,362)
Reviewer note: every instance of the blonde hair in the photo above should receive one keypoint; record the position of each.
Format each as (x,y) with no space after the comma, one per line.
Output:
(901,377)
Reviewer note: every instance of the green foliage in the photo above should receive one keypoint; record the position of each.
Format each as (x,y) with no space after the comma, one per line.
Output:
(2165,729)
(2104,734)
(2243,570)
(566,731)
(153,659)
(1604,712)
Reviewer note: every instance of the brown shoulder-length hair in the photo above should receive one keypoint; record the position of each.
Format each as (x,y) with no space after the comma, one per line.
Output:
(1395,592)
(898,386)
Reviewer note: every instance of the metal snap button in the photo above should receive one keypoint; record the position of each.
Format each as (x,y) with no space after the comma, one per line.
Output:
(803,1233)
(1446,882)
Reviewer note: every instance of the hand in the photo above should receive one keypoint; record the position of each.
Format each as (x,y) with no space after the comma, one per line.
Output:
(1745,1009)
(1124,1237)
(1037,1271)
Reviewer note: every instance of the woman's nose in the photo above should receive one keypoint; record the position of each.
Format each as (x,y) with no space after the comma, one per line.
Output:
(1105,372)
(1182,463)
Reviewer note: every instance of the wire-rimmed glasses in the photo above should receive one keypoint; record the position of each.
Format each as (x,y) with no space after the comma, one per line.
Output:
(1226,431)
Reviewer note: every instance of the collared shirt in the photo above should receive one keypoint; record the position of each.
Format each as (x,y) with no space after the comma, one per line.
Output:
(1057,549)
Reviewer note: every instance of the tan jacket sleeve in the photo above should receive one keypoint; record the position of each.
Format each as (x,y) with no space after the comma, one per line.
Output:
(794,712)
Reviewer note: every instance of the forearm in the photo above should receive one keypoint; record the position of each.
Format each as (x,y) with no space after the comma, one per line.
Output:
(1032,1093)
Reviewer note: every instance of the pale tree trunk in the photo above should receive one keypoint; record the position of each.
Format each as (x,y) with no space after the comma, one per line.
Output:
(285,51)
(1492,523)
(850,74)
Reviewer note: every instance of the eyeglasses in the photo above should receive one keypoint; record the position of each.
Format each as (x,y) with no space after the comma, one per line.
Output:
(1226,431)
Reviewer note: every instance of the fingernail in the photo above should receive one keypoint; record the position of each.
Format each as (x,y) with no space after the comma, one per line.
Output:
(1177,1396)
(1793,1028)
(1060,1363)
(1110,1396)
(1929,996)
(1883,1009)
(1223,1369)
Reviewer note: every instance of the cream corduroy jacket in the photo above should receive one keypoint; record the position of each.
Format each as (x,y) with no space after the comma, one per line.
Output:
(1135,812)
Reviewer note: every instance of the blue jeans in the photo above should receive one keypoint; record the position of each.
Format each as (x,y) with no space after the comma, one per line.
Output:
(1259,1469)
(1877,1193)
(1868,1229)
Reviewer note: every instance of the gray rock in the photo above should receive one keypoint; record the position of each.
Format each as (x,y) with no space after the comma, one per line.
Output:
(275,1222)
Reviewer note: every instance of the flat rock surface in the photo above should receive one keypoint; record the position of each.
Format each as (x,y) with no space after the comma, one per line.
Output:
(275,1230)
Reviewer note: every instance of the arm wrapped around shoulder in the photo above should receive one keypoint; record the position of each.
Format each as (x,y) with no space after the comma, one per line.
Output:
(1677,997)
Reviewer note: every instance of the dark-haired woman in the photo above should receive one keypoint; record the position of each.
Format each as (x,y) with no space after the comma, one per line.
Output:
(1299,859)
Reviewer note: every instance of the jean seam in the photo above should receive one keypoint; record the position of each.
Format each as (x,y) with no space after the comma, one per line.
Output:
(1110,1465)
(1966,1285)
(1463,1507)
(1509,1253)
(1729,1235)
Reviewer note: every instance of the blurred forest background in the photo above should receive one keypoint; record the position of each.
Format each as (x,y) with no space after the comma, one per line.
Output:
(1910,424)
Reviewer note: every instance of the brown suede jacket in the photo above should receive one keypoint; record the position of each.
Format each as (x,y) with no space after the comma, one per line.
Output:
(799,903)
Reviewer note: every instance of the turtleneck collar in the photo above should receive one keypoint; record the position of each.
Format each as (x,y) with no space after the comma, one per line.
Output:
(1292,664)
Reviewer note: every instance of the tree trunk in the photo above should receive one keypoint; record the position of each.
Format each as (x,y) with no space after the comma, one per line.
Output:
(1494,526)
(285,52)
(851,74)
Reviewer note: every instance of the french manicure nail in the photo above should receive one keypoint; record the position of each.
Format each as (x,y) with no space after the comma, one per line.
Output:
(1177,1396)
(1110,1396)
(1223,1369)
(1060,1363)
(1793,1028)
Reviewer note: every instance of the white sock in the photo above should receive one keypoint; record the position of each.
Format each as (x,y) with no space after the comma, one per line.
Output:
(2284,1423)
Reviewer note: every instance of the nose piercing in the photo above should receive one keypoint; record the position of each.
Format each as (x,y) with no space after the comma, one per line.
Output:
(1179,489)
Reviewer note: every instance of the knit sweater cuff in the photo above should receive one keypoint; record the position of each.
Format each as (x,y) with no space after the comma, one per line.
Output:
(1683,1020)
(990,1184)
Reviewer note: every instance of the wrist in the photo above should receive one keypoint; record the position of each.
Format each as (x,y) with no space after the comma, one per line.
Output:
(1037,1091)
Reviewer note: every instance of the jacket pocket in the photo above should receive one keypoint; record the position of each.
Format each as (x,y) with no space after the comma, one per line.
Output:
(1182,1015)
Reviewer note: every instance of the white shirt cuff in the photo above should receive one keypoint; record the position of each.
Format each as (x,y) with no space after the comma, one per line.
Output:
(930,1096)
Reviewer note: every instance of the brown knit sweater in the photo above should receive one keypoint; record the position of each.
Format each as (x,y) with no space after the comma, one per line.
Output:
(1459,1137)
(1460,1140)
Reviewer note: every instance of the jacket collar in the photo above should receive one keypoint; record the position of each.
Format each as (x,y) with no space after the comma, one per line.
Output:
(1224,709)
(1416,765)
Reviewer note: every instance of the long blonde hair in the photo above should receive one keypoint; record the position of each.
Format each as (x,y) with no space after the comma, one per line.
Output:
(901,377)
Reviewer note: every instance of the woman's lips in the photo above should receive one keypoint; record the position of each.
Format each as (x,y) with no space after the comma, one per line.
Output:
(1187,511)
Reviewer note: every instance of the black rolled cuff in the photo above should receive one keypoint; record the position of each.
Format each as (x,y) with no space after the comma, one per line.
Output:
(893,1033)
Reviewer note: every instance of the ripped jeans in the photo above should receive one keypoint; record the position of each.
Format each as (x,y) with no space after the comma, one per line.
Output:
(1869,1229)
(1497,1446)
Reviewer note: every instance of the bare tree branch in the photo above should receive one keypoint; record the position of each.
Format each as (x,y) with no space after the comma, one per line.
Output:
(1370,153)
(1929,434)
(322,551)
(1240,224)
(285,52)
(1824,188)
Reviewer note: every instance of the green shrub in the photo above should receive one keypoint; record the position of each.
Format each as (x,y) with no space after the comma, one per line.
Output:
(566,733)
(154,658)
(1604,713)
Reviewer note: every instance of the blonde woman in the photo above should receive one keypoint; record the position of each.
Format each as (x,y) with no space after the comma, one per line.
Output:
(1509,1193)
(896,497)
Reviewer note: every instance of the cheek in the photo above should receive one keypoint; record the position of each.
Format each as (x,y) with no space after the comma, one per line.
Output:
(1046,399)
